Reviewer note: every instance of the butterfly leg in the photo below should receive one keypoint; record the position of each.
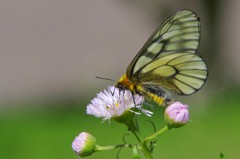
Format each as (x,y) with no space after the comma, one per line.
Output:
(133,100)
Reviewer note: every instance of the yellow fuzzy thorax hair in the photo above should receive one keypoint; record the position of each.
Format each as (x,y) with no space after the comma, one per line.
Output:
(125,83)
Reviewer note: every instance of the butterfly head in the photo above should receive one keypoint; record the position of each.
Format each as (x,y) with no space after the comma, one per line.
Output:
(125,83)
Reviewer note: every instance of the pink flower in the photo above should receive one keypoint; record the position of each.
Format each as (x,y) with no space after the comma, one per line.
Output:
(176,115)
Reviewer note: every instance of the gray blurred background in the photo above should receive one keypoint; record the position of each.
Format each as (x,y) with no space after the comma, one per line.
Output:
(53,49)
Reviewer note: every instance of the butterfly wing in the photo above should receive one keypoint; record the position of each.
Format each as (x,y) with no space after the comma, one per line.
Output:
(169,58)
(182,72)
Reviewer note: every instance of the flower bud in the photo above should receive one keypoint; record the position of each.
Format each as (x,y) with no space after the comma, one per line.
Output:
(84,144)
(176,115)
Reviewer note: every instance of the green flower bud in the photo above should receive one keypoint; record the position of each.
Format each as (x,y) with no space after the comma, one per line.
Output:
(84,144)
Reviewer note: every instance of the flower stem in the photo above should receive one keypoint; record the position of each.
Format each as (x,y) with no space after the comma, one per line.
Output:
(111,147)
(133,127)
(146,151)
(137,136)
(144,147)
(155,135)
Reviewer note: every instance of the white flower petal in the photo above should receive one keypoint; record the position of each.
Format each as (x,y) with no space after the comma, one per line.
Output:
(112,102)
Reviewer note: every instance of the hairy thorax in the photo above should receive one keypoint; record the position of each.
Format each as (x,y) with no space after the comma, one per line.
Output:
(125,83)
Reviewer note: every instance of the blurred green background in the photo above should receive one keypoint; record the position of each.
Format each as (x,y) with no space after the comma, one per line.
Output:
(52,50)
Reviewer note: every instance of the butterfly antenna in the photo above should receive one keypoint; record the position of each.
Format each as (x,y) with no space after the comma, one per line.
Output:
(107,79)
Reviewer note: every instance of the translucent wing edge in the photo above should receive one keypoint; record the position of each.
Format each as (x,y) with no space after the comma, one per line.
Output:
(130,68)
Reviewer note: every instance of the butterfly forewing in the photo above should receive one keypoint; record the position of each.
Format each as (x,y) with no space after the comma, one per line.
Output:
(168,59)
(180,32)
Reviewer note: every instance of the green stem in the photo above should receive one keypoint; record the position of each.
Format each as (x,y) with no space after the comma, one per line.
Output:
(144,148)
(155,135)
(137,136)
(111,147)
(133,127)
(146,151)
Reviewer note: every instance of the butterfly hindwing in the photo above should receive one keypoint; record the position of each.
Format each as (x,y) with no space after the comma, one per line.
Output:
(184,73)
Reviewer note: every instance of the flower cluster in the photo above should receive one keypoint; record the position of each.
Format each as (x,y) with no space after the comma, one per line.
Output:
(123,106)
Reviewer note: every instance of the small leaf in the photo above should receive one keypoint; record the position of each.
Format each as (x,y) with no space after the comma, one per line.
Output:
(221,155)
(135,153)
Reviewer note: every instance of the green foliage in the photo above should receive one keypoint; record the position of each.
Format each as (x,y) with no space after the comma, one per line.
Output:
(48,132)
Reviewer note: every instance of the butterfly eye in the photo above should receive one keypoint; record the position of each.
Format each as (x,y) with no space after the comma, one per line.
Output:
(120,86)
